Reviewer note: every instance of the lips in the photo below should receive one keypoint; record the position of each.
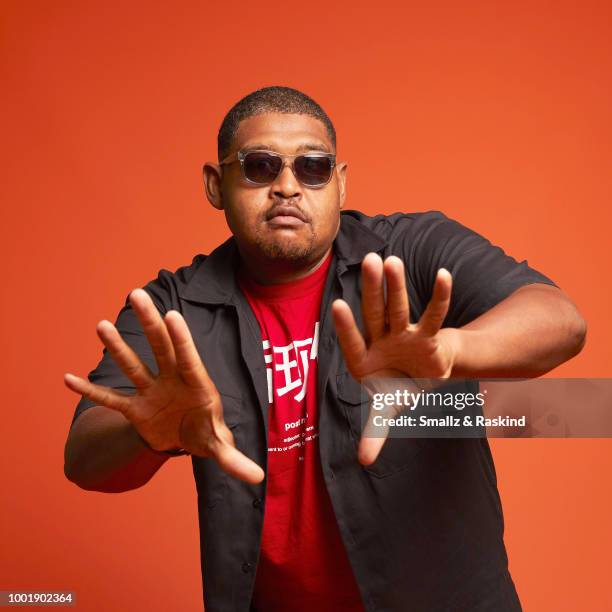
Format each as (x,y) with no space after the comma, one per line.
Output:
(287,211)
(287,216)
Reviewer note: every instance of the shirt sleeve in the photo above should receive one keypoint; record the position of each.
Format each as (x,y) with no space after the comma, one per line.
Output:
(107,372)
(483,274)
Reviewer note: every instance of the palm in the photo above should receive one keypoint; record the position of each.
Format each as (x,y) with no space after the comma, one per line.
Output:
(405,354)
(170,406)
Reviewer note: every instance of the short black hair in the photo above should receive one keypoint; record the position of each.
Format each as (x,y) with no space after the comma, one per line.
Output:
(274,99)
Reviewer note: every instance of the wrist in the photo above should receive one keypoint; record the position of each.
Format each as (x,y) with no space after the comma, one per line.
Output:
(453,339)
(171,452)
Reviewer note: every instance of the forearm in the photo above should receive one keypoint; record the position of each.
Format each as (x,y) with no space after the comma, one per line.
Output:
(529,333)
(104,453)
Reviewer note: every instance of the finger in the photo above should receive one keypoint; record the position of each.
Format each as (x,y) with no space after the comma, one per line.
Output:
(433,317)
(351,341)
(124,356)
(372,296)
(154,329)
(102,396)
(188,360)
(398,310)
(374,435)
(369,449)
(236,464)
(372,440)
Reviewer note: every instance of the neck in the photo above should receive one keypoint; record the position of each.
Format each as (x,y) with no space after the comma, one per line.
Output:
(277,272)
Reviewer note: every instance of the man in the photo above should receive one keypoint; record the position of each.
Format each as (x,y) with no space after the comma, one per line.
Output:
(249,359)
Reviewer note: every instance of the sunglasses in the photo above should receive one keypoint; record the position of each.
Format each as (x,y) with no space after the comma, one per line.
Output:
(313,169)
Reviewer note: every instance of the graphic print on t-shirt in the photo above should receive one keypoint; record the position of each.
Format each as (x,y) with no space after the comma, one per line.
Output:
(287,370)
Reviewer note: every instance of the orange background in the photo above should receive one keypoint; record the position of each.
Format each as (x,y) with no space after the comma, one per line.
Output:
(497,113)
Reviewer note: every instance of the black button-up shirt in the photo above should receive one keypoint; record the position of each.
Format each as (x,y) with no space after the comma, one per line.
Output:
(423,525)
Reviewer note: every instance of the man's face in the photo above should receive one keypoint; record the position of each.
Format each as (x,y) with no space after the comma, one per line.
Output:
(252,211)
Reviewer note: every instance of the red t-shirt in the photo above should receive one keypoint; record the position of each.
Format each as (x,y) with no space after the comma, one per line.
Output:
(303,564)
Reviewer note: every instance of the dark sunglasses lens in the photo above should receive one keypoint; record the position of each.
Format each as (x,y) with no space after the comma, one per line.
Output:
(262,167)
(313,170)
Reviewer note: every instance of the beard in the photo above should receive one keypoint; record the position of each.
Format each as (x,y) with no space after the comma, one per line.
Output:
(280,248)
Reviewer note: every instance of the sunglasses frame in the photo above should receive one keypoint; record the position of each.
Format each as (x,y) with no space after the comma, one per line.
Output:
(241,155)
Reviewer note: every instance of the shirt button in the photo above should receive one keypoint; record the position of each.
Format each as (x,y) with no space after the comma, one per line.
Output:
(257,503)
(247,567)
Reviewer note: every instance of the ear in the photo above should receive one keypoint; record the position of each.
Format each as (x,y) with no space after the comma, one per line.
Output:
(212,183)
(341,171)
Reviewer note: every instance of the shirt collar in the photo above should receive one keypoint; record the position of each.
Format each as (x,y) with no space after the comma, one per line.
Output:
(214,281)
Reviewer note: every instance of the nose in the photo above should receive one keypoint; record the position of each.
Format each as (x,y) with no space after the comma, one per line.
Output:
(285,185)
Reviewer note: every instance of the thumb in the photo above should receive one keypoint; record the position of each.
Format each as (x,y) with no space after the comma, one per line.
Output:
(372,440)
(236,464)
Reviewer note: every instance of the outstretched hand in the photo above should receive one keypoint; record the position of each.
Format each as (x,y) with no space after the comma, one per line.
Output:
(392,346)
(178,407)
